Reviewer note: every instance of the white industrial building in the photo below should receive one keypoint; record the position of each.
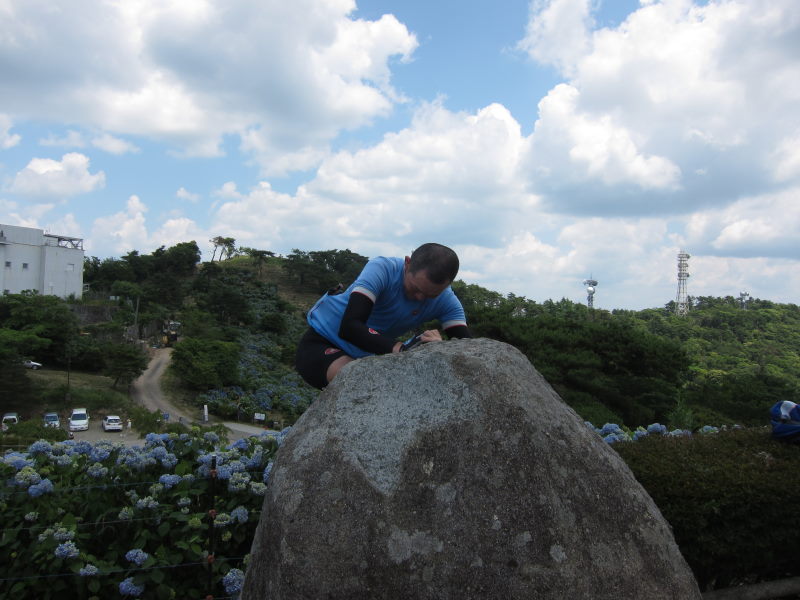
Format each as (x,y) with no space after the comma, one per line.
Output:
(35,260)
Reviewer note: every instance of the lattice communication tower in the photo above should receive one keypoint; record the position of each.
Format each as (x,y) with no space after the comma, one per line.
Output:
(682,300)
(590,284)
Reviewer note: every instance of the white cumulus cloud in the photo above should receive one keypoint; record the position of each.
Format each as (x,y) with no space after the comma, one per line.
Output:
(53,179)
(7,139)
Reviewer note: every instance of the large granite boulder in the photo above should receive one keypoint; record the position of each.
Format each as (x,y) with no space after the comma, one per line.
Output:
(453,472)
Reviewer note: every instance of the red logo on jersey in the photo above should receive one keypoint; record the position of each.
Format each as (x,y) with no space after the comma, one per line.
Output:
(373,332)
(332,350)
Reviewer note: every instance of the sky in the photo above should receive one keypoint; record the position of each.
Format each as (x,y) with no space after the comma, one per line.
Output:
(546,141)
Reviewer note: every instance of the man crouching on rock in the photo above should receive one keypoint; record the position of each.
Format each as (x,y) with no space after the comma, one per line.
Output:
(389,297)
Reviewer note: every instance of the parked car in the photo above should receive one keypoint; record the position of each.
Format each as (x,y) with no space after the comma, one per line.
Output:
(112,423)
(30,364)
(51,420)
(10,418)
(79,420)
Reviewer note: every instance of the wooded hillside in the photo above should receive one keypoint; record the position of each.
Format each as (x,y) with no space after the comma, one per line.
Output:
(241,315)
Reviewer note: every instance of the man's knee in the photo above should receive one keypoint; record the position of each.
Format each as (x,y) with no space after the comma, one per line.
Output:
(335,366)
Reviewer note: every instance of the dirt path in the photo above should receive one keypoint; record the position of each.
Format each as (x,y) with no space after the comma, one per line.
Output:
(146,390)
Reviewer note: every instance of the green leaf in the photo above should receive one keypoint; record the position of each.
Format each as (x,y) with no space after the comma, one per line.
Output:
(163,529)
(157,575)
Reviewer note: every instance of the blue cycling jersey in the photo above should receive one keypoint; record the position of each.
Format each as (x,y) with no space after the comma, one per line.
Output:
(392,313)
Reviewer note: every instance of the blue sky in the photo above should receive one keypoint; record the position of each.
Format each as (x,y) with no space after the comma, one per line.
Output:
(544,140)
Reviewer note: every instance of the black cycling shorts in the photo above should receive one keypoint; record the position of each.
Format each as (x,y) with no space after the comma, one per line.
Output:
(314,355)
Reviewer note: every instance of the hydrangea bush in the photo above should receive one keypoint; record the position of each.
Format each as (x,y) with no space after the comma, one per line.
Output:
(613,433)
(172,518)
(267,385)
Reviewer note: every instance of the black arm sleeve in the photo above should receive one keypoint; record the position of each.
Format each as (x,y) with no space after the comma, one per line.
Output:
(354,326)
(458,331)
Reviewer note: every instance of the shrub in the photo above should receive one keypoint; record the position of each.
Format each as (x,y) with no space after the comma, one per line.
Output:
(173,518)
(729,497)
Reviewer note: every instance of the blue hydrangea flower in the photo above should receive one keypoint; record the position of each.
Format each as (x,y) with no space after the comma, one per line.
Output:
(27,476)
(210,436)
(158,452)
(99,454)
(125,514)
(616,437)
(40,447)
(257,488)
(63,460)
(45,486)
(657,428)
(267,471)
(222,520)
(17,461)
(31,516)
(128,588)
(83,447)
(62,534)
(610,428)
(233,581)
(88,570)
(169,461)
(170,480)
(137,556)
(184,501)
(240,514)
(709,429)
(147,502)
(679,432)
(238,482)
(240,444)
(254,462)
(97,471)
(157,438)
(67,550)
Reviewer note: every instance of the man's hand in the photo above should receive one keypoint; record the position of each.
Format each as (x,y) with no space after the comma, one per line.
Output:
(431,335)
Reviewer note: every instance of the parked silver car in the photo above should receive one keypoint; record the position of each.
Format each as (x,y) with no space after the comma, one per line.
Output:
(51,419)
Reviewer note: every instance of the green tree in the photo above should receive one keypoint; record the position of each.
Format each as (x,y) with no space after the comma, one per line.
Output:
(205,364)
(124,362)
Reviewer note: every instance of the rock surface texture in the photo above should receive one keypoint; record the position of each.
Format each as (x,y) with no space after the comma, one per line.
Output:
(454,471)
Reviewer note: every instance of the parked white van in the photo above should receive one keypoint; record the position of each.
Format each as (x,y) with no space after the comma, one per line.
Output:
(79,420)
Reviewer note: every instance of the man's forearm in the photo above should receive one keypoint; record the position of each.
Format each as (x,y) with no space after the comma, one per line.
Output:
(354,329)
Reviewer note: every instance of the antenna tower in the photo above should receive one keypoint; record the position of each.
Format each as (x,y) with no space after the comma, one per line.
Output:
(682,301)
(743,298)
(590,284)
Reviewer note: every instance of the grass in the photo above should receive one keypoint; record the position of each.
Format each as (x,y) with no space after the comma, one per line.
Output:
(87,390)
